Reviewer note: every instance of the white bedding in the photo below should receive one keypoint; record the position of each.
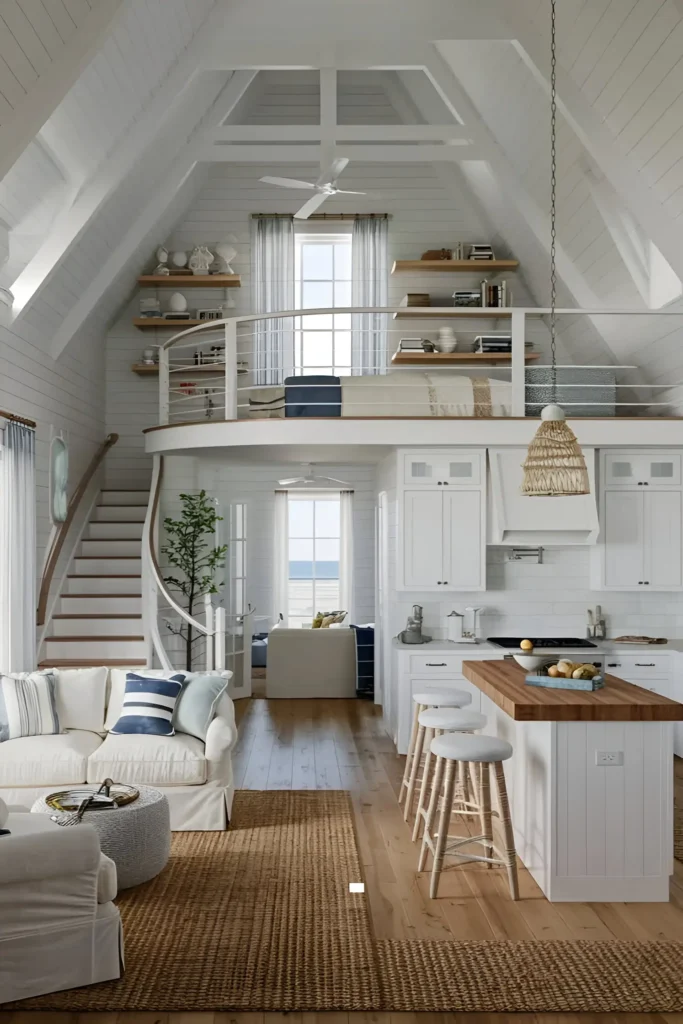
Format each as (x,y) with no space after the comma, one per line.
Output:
(406,393)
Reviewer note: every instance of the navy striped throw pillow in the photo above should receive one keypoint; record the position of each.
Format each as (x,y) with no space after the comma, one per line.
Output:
(148,705)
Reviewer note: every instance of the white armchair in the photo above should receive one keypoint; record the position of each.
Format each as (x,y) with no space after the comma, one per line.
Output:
(58,926)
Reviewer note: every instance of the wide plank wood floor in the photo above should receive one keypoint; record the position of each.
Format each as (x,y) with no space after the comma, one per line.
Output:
(341,744)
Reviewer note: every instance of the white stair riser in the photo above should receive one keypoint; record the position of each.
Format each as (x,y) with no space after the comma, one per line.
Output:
(116,514)
(100,605)
(102,585)
(97,627)
(98,650)
(107,566)
(111,548)
(109,531)
(124,498)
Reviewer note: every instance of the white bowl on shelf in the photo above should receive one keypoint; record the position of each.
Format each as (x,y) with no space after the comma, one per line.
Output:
(533,661)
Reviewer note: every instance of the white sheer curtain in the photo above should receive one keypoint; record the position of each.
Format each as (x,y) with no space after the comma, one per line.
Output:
(346,582)
(17,549)
(272,247)
(281,559)
(369,286)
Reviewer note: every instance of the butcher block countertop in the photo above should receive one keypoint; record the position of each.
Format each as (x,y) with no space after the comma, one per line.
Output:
(618,701)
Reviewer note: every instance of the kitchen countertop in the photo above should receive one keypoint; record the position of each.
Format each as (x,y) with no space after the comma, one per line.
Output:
(602,647)
(619,701)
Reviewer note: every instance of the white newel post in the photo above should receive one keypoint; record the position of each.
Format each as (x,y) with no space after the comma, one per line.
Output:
(231,370)
(164,385)
(209,622)
(219,639)
(518,382)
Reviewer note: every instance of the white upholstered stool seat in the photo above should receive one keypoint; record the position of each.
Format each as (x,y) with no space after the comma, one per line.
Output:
(457,747)
(452,719)
(433,697)
(459,754)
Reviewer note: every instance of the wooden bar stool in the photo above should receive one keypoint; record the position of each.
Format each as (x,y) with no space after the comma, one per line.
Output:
(430,697)
(434,722)
(488,753)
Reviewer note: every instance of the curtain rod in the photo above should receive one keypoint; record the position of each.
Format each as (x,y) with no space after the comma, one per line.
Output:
(327,216)
(313,490)
(17,419)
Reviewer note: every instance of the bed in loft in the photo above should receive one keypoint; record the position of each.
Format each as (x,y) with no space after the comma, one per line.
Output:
(388,395)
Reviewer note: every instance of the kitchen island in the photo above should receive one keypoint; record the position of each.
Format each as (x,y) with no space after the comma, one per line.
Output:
(590,782)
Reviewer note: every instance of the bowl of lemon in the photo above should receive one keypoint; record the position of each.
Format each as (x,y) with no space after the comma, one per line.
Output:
(528,660)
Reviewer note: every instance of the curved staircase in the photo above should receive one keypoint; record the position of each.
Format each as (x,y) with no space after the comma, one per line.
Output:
(99,617)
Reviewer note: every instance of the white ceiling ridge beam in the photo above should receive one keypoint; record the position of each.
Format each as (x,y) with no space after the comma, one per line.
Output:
(328,116)
(162,113)
(53,85)
(229,55)
(344,132)
(628,248)
(599,142)
(160,198)
(460,104)
(370,153)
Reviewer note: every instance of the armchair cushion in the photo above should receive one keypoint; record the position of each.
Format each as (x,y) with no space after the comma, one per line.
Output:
(46,760)
(138,759)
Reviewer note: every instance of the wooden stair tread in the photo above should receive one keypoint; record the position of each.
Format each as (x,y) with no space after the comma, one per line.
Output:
(88,662)
(107,558)
(98,639)
(93,615)
(89,596)
(102,576)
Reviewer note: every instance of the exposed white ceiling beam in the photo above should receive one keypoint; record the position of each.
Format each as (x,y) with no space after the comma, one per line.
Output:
(52,86)
(598,141)
(161,195)
(630,248)
(362,56)
(328,115)
(363,154)
(343,132)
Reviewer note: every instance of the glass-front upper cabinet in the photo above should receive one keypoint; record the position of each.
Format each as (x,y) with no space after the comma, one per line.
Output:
(628,470)
(442,467)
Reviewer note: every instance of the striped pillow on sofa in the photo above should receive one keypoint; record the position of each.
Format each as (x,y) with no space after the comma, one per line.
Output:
(148,705)
(27,705)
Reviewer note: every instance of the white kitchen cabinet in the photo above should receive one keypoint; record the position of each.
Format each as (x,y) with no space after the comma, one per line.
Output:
(642,469)
(441,467)
(641,537)
(441,541)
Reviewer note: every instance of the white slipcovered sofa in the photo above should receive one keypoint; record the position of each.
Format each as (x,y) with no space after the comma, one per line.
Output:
(59,928)
(196,777)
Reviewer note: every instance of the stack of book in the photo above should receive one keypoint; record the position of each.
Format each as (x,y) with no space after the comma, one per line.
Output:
(493,343)
(459,251)
(413,299)
(410,345)
(495,295)
(480,252)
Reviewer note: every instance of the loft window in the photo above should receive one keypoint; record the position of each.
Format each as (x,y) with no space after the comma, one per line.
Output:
(322,343)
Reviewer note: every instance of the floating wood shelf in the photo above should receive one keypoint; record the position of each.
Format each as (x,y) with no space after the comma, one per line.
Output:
(430,313)
(150,323)
(149,370)
(455,266)
(451,358)
(190,281)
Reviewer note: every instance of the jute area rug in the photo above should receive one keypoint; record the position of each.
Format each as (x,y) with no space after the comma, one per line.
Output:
(261,918)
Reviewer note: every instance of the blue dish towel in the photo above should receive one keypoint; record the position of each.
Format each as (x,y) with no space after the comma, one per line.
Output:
(365,661)
(312,395)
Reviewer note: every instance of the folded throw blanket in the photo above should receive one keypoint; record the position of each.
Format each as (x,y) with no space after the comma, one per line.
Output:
(267,403)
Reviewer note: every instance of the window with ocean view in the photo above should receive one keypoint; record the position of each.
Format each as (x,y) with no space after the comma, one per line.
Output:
(314,545)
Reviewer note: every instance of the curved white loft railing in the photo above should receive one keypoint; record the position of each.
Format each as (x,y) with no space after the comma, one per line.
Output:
(191,391)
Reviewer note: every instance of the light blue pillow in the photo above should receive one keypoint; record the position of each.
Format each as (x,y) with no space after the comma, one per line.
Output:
(197,704)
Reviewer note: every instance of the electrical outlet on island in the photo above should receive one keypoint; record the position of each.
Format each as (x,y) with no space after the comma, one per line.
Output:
(609,758)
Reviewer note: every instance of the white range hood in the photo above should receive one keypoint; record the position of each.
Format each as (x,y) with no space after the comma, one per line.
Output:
(518,519)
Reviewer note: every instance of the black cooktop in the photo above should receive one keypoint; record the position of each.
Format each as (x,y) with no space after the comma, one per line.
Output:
(540,641)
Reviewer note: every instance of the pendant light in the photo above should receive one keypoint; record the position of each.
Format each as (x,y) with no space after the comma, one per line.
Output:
(554,464)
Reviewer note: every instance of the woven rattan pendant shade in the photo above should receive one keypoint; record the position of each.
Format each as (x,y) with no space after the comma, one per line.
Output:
(554,465)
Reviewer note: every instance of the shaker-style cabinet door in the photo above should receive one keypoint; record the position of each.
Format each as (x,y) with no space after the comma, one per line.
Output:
(662,519)
(624,540)
(463,543)
(421,539)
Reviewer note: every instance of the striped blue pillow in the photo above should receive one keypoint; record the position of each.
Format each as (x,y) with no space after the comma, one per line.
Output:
(148,705)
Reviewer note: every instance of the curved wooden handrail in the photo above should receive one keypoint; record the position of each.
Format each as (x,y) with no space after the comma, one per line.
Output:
(61,534)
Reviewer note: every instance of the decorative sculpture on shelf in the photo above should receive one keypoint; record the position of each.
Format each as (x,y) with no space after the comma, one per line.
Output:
(200,260)
(224,254)
(179,259)
(177,303)
(161,269)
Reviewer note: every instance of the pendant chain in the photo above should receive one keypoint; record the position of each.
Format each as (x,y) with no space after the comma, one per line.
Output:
(553,198)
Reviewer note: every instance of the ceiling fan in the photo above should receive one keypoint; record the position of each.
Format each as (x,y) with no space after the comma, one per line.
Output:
(325,186)
(309,479)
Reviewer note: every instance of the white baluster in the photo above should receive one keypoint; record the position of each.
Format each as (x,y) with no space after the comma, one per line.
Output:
(231,370)
(219,638)
(210,627)
(518,383)
(164,385)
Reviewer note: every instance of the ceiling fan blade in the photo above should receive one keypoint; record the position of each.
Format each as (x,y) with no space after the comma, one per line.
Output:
(310,206)
(291,480)
(329,176)
(287,182)
(349,192)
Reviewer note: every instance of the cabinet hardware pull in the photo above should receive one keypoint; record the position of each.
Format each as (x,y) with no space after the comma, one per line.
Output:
(647,583)
(445,483)
(646,664)
(440,483)
(437,664)
(445,583)
(613,664)
(438,583)
(640,583)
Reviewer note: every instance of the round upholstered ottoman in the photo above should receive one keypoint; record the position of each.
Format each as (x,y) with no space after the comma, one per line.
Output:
(136,836)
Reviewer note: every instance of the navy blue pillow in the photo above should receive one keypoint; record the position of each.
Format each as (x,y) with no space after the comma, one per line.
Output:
(313,395)
(148,705)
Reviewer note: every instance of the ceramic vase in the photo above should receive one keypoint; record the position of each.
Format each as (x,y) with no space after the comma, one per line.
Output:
(446,341)
(179,259)
(177,303)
